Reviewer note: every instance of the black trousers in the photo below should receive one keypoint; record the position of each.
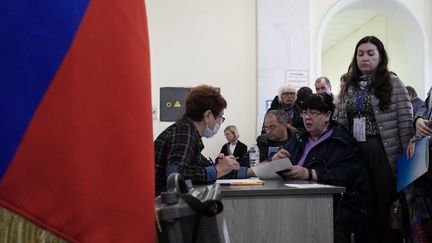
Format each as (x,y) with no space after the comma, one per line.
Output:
(348,227)
(381,194)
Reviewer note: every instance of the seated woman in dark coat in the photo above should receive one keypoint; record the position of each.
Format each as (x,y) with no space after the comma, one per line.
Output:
(233,146)
(327,153)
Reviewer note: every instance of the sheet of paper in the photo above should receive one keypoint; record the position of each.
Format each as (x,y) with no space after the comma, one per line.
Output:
(238,180)
(269,170)
(308,185)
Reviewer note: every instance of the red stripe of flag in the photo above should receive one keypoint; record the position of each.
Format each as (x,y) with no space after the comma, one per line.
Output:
(84,169)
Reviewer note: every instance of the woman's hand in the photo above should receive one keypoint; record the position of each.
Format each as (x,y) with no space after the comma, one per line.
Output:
(297,172)
(250,173)
(281,154)
(226,165)
(422,128)
(411,149)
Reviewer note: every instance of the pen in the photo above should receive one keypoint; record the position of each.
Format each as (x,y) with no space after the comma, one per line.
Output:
(212,162)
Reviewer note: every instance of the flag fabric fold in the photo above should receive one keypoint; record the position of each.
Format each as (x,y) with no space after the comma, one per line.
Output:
(76,144)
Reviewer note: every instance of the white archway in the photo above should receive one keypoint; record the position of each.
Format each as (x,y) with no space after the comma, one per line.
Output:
(400,15)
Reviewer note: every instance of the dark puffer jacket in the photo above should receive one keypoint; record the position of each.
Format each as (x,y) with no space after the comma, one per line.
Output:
(336,162)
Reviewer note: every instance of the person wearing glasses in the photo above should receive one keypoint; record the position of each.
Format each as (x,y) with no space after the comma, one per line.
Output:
(285,101)
(327,153)
(377,111)
(178,148)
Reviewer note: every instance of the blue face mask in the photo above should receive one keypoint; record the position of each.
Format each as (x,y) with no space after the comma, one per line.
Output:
(208,133)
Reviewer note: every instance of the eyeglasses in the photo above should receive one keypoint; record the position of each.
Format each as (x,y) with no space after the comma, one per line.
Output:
(289,93)
(311,114)
(221,117)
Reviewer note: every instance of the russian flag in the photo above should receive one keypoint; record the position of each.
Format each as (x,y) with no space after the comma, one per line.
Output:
(76,145)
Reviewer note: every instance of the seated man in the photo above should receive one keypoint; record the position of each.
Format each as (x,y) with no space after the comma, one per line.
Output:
(178,148)
(275,125)
(327,153)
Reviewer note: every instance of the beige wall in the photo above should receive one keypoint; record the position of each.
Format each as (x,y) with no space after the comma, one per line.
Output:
(195,42)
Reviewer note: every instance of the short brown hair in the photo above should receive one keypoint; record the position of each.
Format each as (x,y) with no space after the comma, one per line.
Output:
(203,98)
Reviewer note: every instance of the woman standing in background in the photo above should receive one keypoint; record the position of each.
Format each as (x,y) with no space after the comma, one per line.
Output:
(377,111)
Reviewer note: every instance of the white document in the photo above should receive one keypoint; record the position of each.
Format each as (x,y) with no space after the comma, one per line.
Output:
(269,170)
(249,180)
(308,185)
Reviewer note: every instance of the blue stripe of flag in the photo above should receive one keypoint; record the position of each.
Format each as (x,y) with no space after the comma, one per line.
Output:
(35,36)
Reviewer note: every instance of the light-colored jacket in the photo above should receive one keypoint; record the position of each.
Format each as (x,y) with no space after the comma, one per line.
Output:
(394,124)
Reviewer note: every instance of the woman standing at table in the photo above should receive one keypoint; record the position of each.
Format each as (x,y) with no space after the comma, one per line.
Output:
(377,111)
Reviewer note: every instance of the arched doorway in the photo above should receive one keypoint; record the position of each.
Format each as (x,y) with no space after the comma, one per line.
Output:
(403,35)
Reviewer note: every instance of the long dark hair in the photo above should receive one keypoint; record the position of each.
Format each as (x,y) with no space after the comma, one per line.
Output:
(381,86)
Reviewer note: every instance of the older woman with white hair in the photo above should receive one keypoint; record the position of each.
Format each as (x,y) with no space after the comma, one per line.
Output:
(285,100)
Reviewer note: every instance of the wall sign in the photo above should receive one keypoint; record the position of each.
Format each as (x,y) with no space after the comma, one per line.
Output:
(297,78)
(172,103)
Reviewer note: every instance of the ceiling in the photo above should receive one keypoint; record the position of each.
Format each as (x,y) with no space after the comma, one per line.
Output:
(343,24)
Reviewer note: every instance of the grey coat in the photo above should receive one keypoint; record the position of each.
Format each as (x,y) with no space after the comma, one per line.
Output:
(394,124)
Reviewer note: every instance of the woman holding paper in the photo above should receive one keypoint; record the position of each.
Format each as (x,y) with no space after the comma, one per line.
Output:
(327,153)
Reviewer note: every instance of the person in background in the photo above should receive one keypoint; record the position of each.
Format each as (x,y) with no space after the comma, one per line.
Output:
(419,192)
(414,99)
(343,81)
(323,85)
(423,118)
(233,147)
(302,94)
(178,148)
(327,153)
(377,111)
(285,101)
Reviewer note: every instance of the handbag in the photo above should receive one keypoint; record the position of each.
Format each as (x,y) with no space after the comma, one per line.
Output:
(399,219)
